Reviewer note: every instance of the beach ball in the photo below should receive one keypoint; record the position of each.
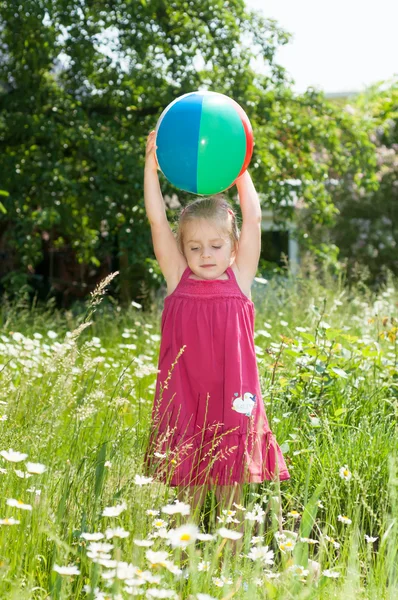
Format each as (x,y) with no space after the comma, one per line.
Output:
(204,142)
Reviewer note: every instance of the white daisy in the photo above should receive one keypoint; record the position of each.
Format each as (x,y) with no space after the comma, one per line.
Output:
(287,546)
(117,532)
(344,520)
(332,541)
(114,511)
(9,521)
(18,504)
(329,573)
(298,570)
(144,543)
(204,565)
(22,474)
(262,553)
(37,468)
(13,456)
(183,536)
(229,534)
(294,514)
(157,558)
(177,508)
(92,537)
(345,473)
(206,537)
(160,593)
(369,539)
(158,523)
(70,570)
(142,480)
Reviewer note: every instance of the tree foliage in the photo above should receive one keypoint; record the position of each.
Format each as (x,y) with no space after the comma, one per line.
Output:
(366,230)
(83,82)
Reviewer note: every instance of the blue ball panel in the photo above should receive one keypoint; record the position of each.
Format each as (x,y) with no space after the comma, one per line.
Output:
(177,142)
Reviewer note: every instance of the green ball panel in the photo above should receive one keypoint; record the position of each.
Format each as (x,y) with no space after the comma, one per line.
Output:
(222,145)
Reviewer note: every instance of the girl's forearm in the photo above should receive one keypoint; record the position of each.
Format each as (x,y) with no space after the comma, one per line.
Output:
(248,198)
(154,203)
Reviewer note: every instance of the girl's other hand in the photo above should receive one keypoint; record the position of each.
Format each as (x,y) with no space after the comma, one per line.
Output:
(150,154)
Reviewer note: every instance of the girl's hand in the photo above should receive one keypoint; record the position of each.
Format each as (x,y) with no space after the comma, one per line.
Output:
(150,155)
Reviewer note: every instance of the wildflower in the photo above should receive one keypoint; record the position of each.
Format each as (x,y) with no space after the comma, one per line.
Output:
(183,536)
(228,516)
(308,540)
(36,468)
(204,565)
(114,511)
(160,454)
(319,504)
(13,456)
(206,537)
(332,541)
(18,504)
(52,335)
(3,418)
(294,514)
(159,523)
(256,514)
(160,593)
(329,573)
(262,553)
(143,542)
(345,473)
(369,539)
(108,464)
(157,558)
(239,506)
(271,575)
(99,547)
(70,570)
(22,474)
(117,532)
(160,533)
(298,570)
(205,597)
(9,521)
(92,537)
(142,480)
(229,533)
(287,546)
(344,520)
(177,507)
(255,539)
(152,513)
(221,581)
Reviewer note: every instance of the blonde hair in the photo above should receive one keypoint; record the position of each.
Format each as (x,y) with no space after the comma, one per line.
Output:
(214,208)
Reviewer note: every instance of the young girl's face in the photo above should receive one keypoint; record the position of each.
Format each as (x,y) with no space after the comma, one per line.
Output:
(206,244)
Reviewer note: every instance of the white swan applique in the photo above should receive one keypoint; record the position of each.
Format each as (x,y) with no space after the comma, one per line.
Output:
(245,405)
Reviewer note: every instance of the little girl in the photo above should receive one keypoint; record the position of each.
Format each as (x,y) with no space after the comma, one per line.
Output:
(209,426)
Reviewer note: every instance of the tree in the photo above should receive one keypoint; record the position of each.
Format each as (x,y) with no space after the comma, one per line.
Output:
(366,230)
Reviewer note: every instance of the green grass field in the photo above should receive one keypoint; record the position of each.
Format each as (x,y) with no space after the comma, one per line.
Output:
(76,392)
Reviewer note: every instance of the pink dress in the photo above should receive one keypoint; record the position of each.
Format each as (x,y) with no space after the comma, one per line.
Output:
(208,419)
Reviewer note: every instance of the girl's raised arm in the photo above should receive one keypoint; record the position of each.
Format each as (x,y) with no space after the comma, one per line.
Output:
(249,247)
(154,204)
(170,259)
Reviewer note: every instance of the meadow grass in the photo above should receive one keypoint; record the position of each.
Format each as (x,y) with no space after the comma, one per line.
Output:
(76,393)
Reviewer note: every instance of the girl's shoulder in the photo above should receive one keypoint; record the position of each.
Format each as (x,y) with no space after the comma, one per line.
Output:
(174,279)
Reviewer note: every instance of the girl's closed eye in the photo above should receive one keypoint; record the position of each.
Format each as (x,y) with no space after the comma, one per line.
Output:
(216,247)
